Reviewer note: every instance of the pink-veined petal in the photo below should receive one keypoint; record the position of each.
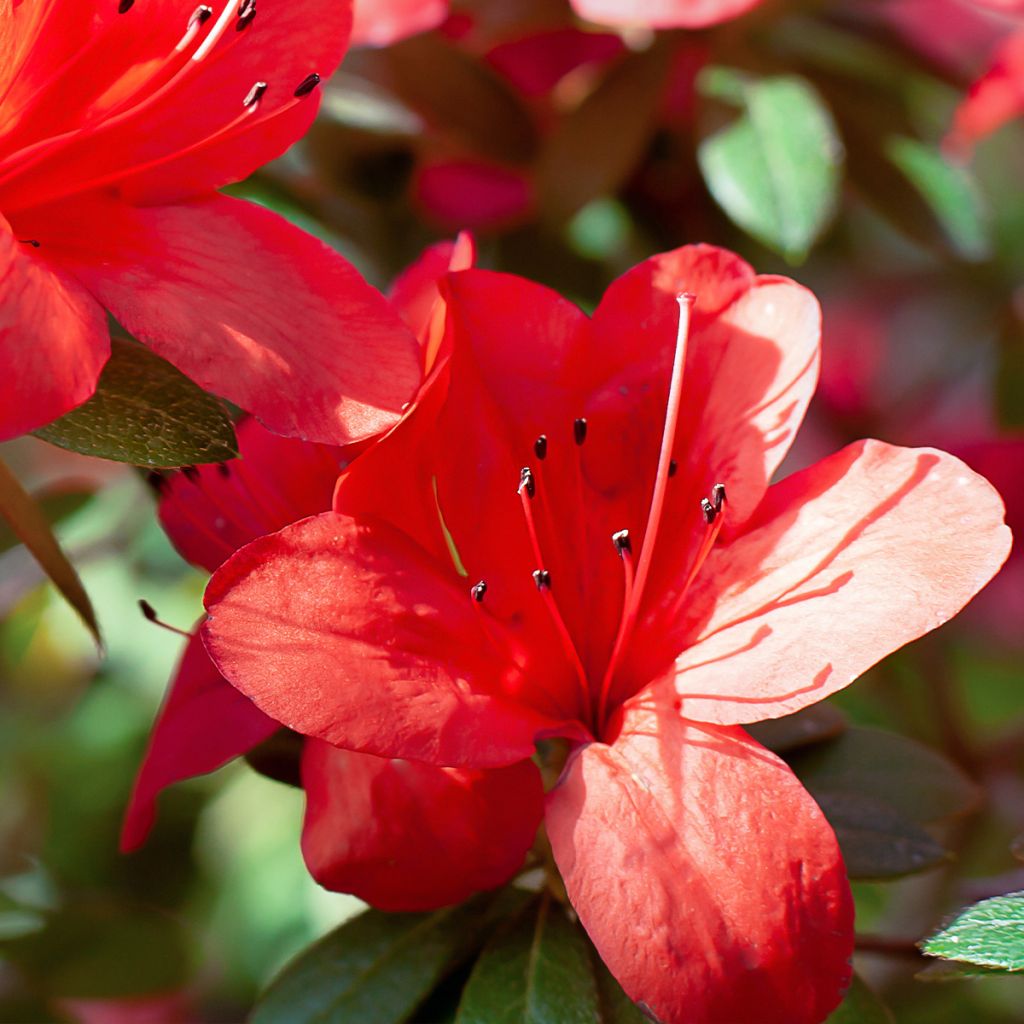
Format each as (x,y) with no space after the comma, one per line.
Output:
(250,308)
(707,877)
(842,564)
(204,723)
(407,836)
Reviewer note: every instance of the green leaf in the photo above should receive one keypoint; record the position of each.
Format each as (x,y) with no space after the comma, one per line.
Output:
(378,967)
(860,1006)
(949,191)
(803,728)
(540,969)
(147,413)
(877,789)
(989,934)
(878,841)
(912,779)
(775,169)
(28,521)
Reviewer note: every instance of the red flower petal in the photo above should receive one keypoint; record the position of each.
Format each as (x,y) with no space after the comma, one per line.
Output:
(353,634)
(383,22)
(707,877)
(160,144)
(662,13)
(407,836)
(250,308)
(53,338)
(204,723)
(472,194)
(832,574)
(212,511)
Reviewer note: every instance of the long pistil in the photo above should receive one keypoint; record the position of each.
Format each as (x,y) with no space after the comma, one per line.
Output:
(631,602)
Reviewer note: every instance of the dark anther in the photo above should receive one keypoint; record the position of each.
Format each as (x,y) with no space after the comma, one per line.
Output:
(527,482)
(709,511)
(29,241)
(542,578)
(478,590)
(201,15)
(125,6)
(623,544)
(255,94)
(246,12)
(224,469)
(673,467)
(579,430)
(147,609)
(308,84)
(718,496)
(191,474)
(540,447)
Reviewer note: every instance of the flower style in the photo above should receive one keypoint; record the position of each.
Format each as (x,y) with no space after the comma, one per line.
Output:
(118,121)
(572,537)
(360,810)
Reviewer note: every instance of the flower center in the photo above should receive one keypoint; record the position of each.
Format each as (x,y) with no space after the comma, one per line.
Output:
(596,690)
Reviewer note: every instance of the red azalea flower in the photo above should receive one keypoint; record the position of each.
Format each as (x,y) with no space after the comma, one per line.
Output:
(118,121)
(572,536)
(360,809)
(662,13)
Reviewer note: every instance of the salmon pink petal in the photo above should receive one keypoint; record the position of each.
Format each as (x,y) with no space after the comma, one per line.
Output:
(407,836)
(250,308)
(53,338)
(707,877)
(209,512)
(383,22)
(352,634)
(842,564)
(204,723)
(662,13)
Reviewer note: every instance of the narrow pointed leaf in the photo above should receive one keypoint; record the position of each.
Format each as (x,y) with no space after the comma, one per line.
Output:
(29,524)
(377,968)
(147,413)
(775,170)
(950,193)
(989,934)
(540,969)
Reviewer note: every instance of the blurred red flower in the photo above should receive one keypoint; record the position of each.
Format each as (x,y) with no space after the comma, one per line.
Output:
(383,22)
(361,810)
(994,99)
(642,596)
(662,13)
(118,121)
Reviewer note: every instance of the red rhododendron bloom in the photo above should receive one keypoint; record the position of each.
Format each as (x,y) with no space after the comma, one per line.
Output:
(402,836)
(572,536)
(662,13)
(118,121)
